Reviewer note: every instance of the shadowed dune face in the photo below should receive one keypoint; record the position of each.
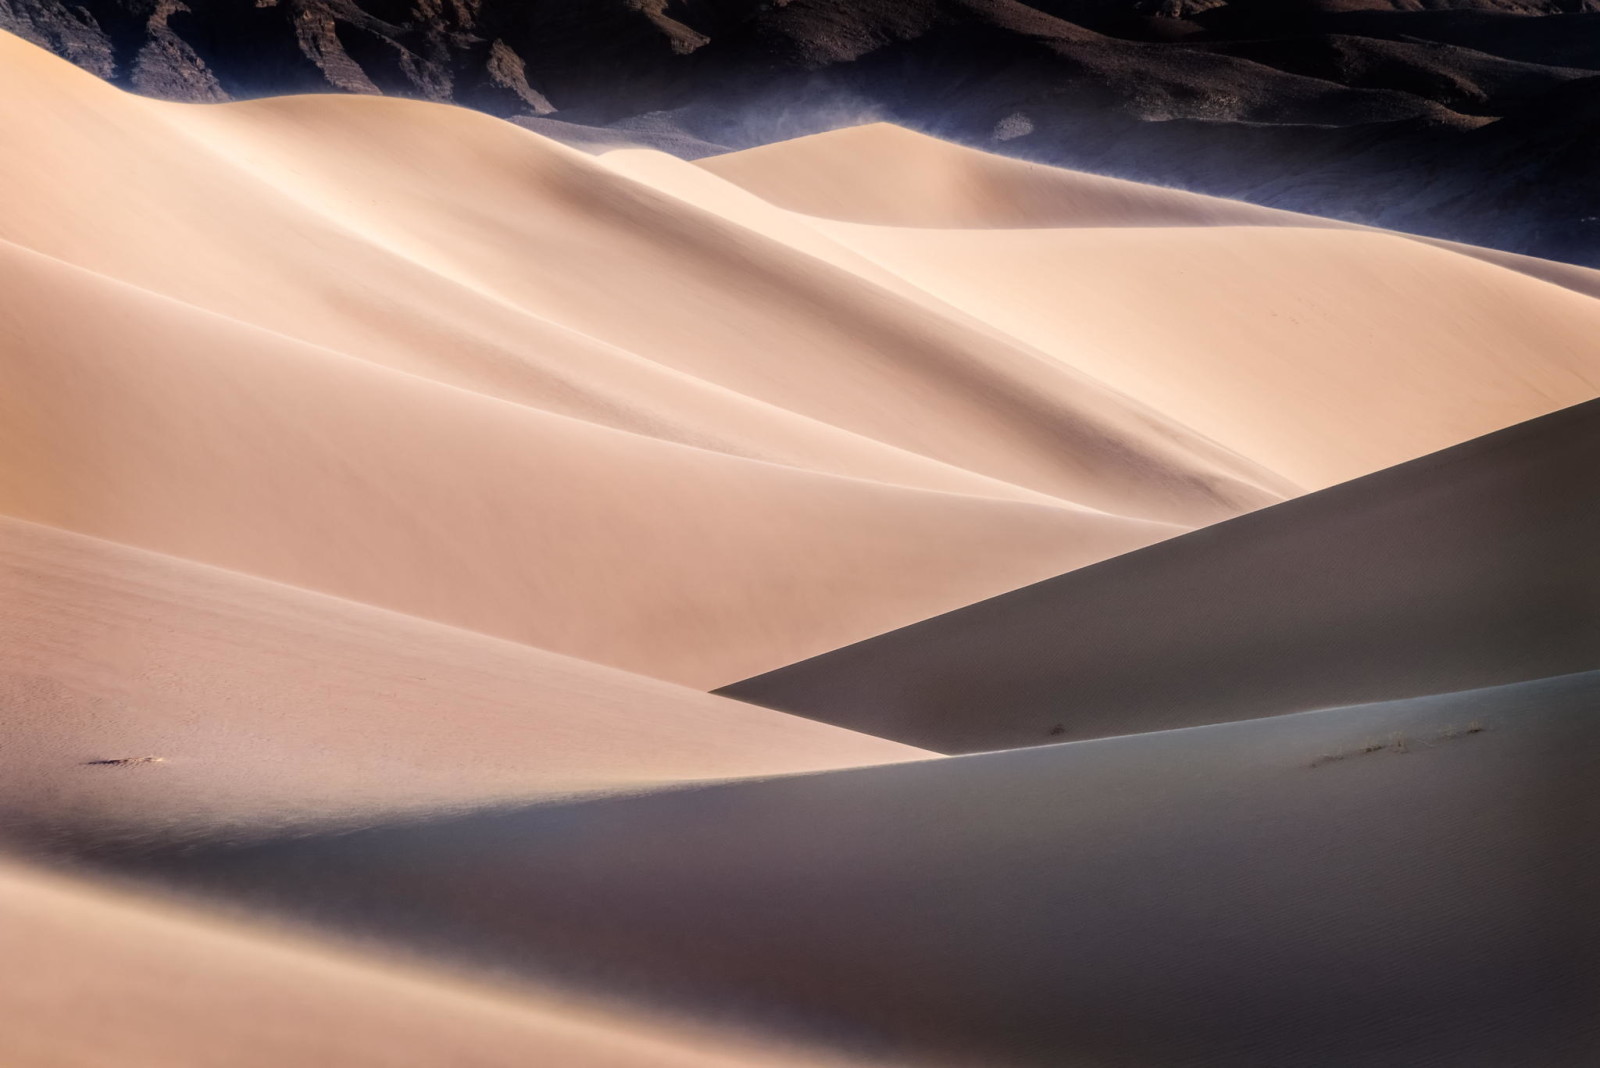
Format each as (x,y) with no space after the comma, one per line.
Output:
(1380,885)
(1467,568)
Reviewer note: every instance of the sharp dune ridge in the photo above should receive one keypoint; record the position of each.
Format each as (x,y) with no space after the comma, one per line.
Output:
(384,485)
(1465,568)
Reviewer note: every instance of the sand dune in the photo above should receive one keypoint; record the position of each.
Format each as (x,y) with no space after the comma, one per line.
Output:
(377,476)
(882,174)
(171,991)
(436,297)
(268,705)
(1358,349)
(491,258)
(323,471)
(1467,568)
(1400,884)
(1322,354)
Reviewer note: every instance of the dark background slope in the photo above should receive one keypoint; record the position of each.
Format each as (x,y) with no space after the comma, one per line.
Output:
(1468,119)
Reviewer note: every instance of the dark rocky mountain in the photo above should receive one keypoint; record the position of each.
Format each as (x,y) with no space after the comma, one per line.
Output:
(1469,119)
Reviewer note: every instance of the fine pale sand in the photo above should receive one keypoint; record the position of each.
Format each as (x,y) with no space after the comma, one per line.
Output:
(264,705)
(1470,567)
(462,362)
(98,980)
(1322,354)
(381,485)
(1388,885)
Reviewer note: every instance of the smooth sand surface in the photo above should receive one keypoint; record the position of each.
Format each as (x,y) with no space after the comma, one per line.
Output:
(887,175)
(882,174)
(1470,567)
(265,705)
(376,478)
(1355,350)
(97,979)
(308,309)
(1321,352)
(1406,884)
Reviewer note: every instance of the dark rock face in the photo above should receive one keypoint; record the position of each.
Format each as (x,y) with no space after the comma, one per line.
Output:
(1463,118)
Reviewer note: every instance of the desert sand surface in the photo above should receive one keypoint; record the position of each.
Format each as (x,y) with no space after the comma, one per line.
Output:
(238,703)
(1467,568)
(1328,370)
(882,174)
(433,295)
(383,485)
(172,990)
(1396,884)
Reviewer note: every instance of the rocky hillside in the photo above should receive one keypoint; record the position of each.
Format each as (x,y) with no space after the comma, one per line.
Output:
(1463,118)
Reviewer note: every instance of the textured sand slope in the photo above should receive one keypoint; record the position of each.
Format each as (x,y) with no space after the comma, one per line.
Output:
(1384,886)
(267,704)
(1470,567)
(170,991)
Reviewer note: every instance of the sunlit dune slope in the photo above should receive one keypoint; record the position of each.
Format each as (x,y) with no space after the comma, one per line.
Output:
(414,356)
(152,423)
(265,705)
(1397,884)
(1321,351)
(1355,350)
(884,174)
(458,247)
(1470,567)
(94,979)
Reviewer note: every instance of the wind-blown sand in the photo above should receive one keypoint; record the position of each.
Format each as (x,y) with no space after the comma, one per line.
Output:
(1467,568)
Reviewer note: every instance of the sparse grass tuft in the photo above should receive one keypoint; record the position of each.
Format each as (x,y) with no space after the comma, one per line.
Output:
(1399,743)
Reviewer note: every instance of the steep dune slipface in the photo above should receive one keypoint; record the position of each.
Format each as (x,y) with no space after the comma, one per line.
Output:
(1381,886)
(169,990)
(1470,567)
(261,705)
